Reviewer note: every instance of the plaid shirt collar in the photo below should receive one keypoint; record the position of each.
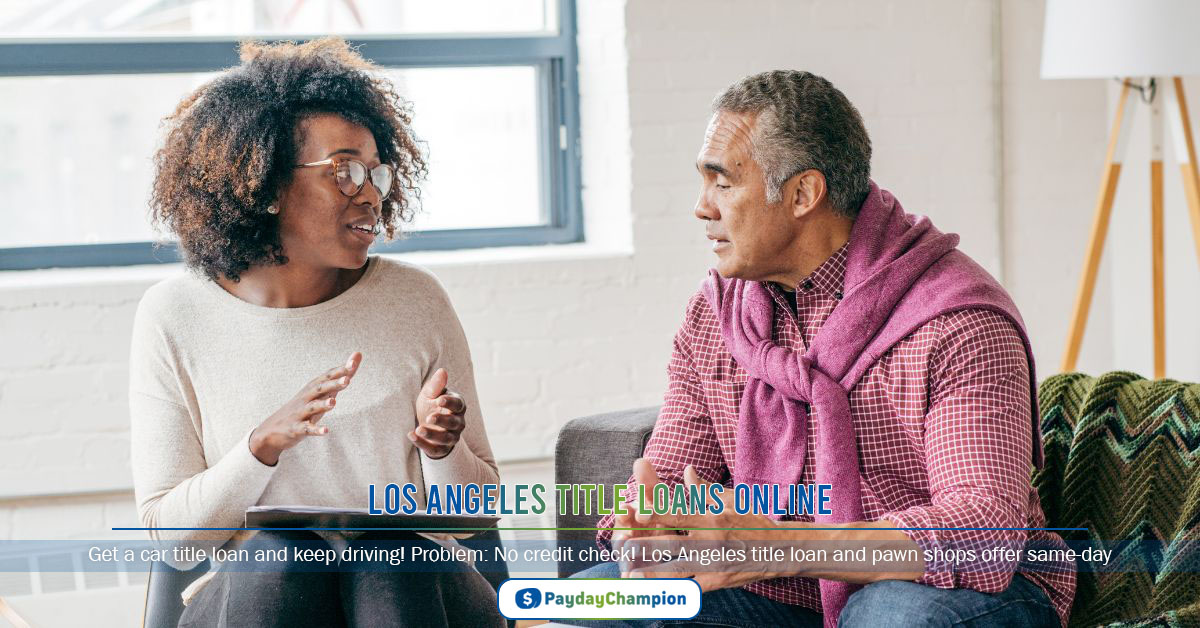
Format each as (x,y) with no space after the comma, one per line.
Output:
(826,280)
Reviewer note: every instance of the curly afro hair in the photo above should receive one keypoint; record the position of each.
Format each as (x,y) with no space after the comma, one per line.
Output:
(230,146)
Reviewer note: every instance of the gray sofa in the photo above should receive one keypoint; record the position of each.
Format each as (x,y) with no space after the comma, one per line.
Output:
(596,449)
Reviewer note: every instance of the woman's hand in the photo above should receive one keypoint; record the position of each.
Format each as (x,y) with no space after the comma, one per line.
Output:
(440,419)
(297,419)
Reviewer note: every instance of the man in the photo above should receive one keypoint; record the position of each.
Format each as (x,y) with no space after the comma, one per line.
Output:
(844,342)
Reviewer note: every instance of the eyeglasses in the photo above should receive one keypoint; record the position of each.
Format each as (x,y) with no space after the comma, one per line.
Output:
(351,174)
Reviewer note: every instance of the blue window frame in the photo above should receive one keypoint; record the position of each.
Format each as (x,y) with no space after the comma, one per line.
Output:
(554,57)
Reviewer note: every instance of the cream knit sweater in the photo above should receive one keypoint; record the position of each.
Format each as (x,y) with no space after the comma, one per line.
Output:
(206,368)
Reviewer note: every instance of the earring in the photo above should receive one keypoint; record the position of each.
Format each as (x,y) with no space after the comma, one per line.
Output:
(272,209)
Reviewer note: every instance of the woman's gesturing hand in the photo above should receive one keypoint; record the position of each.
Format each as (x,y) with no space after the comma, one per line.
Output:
(440,419)
(297,419)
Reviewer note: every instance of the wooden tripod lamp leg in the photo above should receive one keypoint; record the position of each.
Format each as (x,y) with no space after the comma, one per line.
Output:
(1118,139)
(11,615)
(1185,148)
(1156,238)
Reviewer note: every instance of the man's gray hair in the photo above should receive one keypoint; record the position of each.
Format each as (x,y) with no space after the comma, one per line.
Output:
(804,122)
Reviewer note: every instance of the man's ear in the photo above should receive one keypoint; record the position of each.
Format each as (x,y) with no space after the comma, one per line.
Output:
(804,192)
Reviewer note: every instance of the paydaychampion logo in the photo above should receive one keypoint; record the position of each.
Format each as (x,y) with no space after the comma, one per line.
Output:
(528,598)
(599,598)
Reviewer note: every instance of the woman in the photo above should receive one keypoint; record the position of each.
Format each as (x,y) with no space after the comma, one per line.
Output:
(291,367)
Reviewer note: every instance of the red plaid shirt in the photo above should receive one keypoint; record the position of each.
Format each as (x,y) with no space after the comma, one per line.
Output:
(942,422)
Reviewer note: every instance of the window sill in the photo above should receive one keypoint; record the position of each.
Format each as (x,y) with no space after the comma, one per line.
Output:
(433,260)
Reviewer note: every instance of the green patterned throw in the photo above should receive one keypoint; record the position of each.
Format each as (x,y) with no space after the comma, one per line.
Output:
(1121,461)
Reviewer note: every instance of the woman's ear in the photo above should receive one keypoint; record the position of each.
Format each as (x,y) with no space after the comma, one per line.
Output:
(804,192)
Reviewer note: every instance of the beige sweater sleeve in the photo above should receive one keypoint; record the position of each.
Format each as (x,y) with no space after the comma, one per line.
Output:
(173,484)
(471,461)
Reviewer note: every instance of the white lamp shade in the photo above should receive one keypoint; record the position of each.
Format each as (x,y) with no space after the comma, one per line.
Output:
(1121,38)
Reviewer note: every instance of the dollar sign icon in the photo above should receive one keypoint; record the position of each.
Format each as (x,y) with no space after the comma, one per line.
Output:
(529,598)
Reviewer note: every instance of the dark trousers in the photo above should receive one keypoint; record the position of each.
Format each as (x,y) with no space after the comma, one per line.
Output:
(296,594)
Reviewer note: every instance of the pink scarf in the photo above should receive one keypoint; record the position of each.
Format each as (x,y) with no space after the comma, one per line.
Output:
(901,272)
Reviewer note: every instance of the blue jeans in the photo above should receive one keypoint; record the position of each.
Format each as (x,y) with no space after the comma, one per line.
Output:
(886,603)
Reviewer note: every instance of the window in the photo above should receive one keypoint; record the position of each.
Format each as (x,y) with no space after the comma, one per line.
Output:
(84,85)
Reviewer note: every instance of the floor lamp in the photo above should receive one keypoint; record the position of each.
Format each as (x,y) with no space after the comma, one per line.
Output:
(1148,45)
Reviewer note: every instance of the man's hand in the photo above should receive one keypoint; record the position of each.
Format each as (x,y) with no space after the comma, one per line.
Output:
(440,420)
(733,531)
(643,473)
(730,533)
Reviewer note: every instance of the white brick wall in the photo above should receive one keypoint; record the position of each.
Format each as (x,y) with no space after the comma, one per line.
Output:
(559,333)
(1055,134)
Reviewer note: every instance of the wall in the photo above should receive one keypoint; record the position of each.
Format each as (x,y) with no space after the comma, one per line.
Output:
(562,332)
(1055,135)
